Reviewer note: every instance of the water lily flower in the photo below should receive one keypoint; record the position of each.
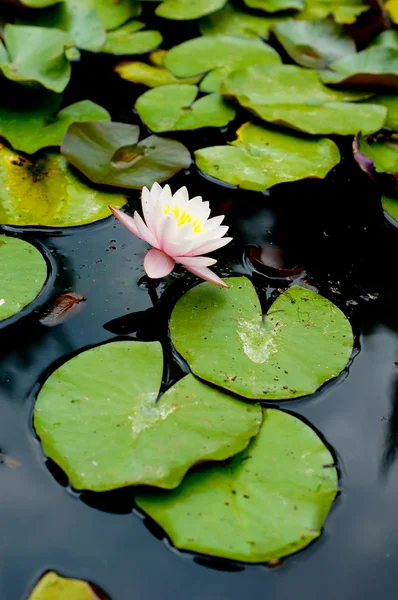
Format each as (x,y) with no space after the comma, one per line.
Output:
(179,231)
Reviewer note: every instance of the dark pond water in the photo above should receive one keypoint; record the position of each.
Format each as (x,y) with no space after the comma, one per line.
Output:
(336,229)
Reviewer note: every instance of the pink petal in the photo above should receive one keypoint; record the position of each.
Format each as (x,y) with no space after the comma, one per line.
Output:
(205,273)
(147,203)
(145,233)
(126,220)
(210,246)
(195,261)
(157,264)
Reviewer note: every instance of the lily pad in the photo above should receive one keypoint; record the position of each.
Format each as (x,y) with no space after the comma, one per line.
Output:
(263,504)
(98,419)
(382,151)
(54,587)
(391,7)
(219,54)
(260,158)
(130,40)
(304,341)
(23,272)
(35,55)
(375,66)
(183,10)
(314,44)
(272,6)
(44,191)
(38,3)
(294,97)
(232,21)
(174,108)
(35,123)
(342,11)
(390,206)
(110,153)
(391,104)
(388,38)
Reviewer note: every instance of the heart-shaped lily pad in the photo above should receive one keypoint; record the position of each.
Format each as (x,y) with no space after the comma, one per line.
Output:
(314,44)
(110,153)
(54,587)
(263,504)
(219,54)
(342,11)
(304,340)
(260,158)
(294,97)
(174,108)
(98,419)
(375,66)
(33,123)
(232,21)
(23,272)
(272,6)
(35,55)
(44,191)
(181,10)
(129,39)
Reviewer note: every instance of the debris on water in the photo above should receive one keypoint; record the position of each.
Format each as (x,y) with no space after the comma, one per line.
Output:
(62,308)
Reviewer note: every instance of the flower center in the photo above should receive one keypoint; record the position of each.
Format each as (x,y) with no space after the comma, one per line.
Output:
(183,217)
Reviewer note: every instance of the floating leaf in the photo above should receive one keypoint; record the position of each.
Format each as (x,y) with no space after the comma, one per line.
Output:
(114,14)
(391,104)
(35,123)
(294,97)
(37,3)
(54,587)
(98,419)
(181,10)
(376,66)
(174,108)
(219,54)
(36,55)
(62,309)
(44,191)
(314,44)
(110,153)
(392,8)
(23,272)
(130,40)
(390,205)
(379,152)
(275,5)
(304,341)
(260,158)
(388,39)
(343,11)
(231,21)
(263,504)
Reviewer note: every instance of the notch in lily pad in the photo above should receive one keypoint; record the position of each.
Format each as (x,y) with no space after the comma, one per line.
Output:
(111,154)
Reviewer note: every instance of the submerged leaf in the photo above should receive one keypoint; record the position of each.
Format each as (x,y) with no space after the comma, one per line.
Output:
(181,10)
(23,272)
(111,432)
(110,153)
(54,587)
(265,503)
(304,340)
(260,158)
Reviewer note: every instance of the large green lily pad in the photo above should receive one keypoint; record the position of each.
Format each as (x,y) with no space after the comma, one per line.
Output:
(260,158)
(23,272)
(174,108)
(54,587)
(390,206)
(35,55)
(98,419)
(294,97)
(304,341)
(183,10)
(219,54)
(110,153)
(375,66)
(232,21)
(44,191)
(35,123)
(382,150)
(265,503)
(129,39)
(342,11)
(314,44)
(272,6)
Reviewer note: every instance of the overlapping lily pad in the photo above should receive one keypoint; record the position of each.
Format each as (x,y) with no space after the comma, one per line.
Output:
(260,158)
(23,272)
(98,418)
(219,54)
(314,44)
(375,66)
(110,153)
(45,191)
(265,503)
(129,39)
(54,587)
(294,97)
(272,6)
(304,341)
(342,11)
(35,55)
(390,102)
(181,10)
(232,21)
(175,108)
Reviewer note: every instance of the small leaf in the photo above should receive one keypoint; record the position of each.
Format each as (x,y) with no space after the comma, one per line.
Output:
(54,587)
(382,151)
(98,419)
(304,341)
(130,40)
(110,153)
(44,191)
(260,158)
(181,10)
(231,21)
(275,5)
(23,272)
(62,309)
(265,503)
(174,108)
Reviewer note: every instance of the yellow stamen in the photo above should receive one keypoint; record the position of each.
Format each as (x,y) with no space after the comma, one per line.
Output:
(183,217)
